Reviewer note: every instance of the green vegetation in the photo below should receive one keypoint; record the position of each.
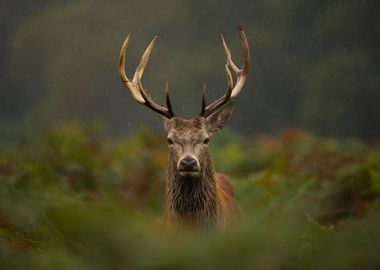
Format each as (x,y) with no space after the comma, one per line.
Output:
(74,200)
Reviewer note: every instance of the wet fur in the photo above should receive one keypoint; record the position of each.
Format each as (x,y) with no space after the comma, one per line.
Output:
(197,201)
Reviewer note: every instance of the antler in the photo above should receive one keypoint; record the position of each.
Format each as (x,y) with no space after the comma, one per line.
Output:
(135,86)
(241,74)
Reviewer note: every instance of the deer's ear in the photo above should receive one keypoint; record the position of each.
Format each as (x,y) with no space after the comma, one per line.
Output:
(218,119)
(165,122)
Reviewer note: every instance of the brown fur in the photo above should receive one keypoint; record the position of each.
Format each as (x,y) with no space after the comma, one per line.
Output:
(203,200)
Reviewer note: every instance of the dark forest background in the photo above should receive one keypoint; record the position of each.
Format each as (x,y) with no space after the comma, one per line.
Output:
(82,165)
(314,63)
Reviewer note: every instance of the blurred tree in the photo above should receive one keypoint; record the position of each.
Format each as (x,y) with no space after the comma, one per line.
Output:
(314,63)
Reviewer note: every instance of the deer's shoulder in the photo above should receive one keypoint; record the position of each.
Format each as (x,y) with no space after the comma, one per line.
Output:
(223,183)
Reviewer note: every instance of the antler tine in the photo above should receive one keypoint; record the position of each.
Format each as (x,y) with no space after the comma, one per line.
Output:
(230,81)
(227,54)
(127,82)
(135,86)
(204,102)
(241,74)
(144,60)
(167,97)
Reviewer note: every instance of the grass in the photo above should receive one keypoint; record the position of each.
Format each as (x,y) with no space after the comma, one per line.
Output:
(74,200)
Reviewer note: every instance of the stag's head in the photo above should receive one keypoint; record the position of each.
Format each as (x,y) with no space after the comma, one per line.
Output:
(188,138)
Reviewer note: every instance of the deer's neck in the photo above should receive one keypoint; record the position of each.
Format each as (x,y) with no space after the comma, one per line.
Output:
(192,199)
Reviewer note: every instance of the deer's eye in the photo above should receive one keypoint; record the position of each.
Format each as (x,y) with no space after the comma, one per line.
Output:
(170,141)
(206,141)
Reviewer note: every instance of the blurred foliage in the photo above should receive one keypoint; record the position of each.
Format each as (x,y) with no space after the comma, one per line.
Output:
(314,63)
(75,200)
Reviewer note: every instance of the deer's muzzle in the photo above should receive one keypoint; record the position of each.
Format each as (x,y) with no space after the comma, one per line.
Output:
(188,164)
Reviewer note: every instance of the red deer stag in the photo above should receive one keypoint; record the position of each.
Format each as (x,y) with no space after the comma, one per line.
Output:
(196,196)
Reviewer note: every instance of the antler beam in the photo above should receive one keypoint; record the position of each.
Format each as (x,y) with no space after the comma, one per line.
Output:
(135,85)
(241,75)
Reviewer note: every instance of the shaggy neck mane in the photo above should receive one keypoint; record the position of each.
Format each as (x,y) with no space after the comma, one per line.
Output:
(192,200)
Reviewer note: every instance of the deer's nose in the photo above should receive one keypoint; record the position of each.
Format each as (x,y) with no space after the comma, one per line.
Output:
(188,164)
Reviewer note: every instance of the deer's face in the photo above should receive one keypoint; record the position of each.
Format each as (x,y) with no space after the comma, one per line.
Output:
(188,144)
(188,139)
